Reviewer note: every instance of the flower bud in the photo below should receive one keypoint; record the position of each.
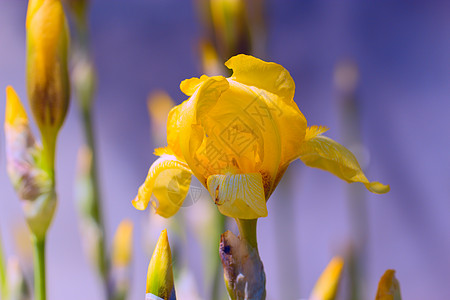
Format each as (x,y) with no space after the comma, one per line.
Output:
(388,287)
(32,183)
(160,274)
(327,285)
(47,72)
(121,258)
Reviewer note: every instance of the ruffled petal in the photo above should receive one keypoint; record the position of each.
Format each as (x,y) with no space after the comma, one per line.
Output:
(239,196)
(322,152)
(168,180)
(268,76)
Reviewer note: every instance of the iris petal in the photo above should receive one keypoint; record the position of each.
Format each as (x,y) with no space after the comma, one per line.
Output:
(322,152)
(168,180)
(239,196)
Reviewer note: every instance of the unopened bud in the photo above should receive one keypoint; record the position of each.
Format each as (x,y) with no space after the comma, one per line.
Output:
(388,287)
(32,183)
(160,273)
(47,72)
(327,285)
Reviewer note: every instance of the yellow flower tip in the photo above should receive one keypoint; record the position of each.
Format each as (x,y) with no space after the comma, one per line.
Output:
(388,287)
(139,203)
(160,274)
(377,187)
(14,112)
(123,244)
(327,285)
(33,7)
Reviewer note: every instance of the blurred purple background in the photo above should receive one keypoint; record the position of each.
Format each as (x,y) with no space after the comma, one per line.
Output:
(403,53)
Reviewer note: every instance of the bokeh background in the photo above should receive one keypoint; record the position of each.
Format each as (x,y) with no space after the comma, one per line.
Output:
(403,53)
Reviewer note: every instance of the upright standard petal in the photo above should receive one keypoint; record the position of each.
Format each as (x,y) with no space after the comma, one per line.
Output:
(321,152)
(268,76)
(276,87)
(239,196)
(168,180)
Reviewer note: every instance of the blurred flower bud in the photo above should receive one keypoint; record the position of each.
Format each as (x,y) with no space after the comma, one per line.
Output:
(18,289)
(33,184)
(121,258)
(327,285)
(47,73)
(92,233)
(159,104)
(243,270)
(231,27)
(210,62)
(160,274)
(84,81)
(123,244)
(388,287)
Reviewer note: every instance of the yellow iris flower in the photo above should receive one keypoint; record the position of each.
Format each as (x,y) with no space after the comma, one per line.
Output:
(238,135)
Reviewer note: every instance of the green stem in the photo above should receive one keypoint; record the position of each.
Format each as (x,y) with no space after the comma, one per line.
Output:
(3,282)
(39,268)
(103,264)
(247,231)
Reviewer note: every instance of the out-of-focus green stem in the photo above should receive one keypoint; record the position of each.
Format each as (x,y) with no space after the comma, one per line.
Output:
(3,282)
(96,205)
(39,268)
(216,292)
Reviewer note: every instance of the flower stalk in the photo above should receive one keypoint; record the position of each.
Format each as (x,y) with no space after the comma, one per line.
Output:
(3,278)
(39,268)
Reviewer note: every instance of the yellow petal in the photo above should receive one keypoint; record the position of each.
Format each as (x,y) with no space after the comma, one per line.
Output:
(388,287)
(267,76)
(168,181)
(239,196)
(322,152)
(189,86)
(123,244)
(15,113)
(275,85)
(328,282)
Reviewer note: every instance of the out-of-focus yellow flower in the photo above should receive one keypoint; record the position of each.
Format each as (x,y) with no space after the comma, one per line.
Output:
(47,73)
(238,135)
(388,287)
(123,244)
(159,104)
(160,273)
(229,20)
(327,285)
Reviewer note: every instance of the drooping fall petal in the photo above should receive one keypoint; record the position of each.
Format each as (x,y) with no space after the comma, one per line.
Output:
(168,180)
(321,152)
(239,196)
